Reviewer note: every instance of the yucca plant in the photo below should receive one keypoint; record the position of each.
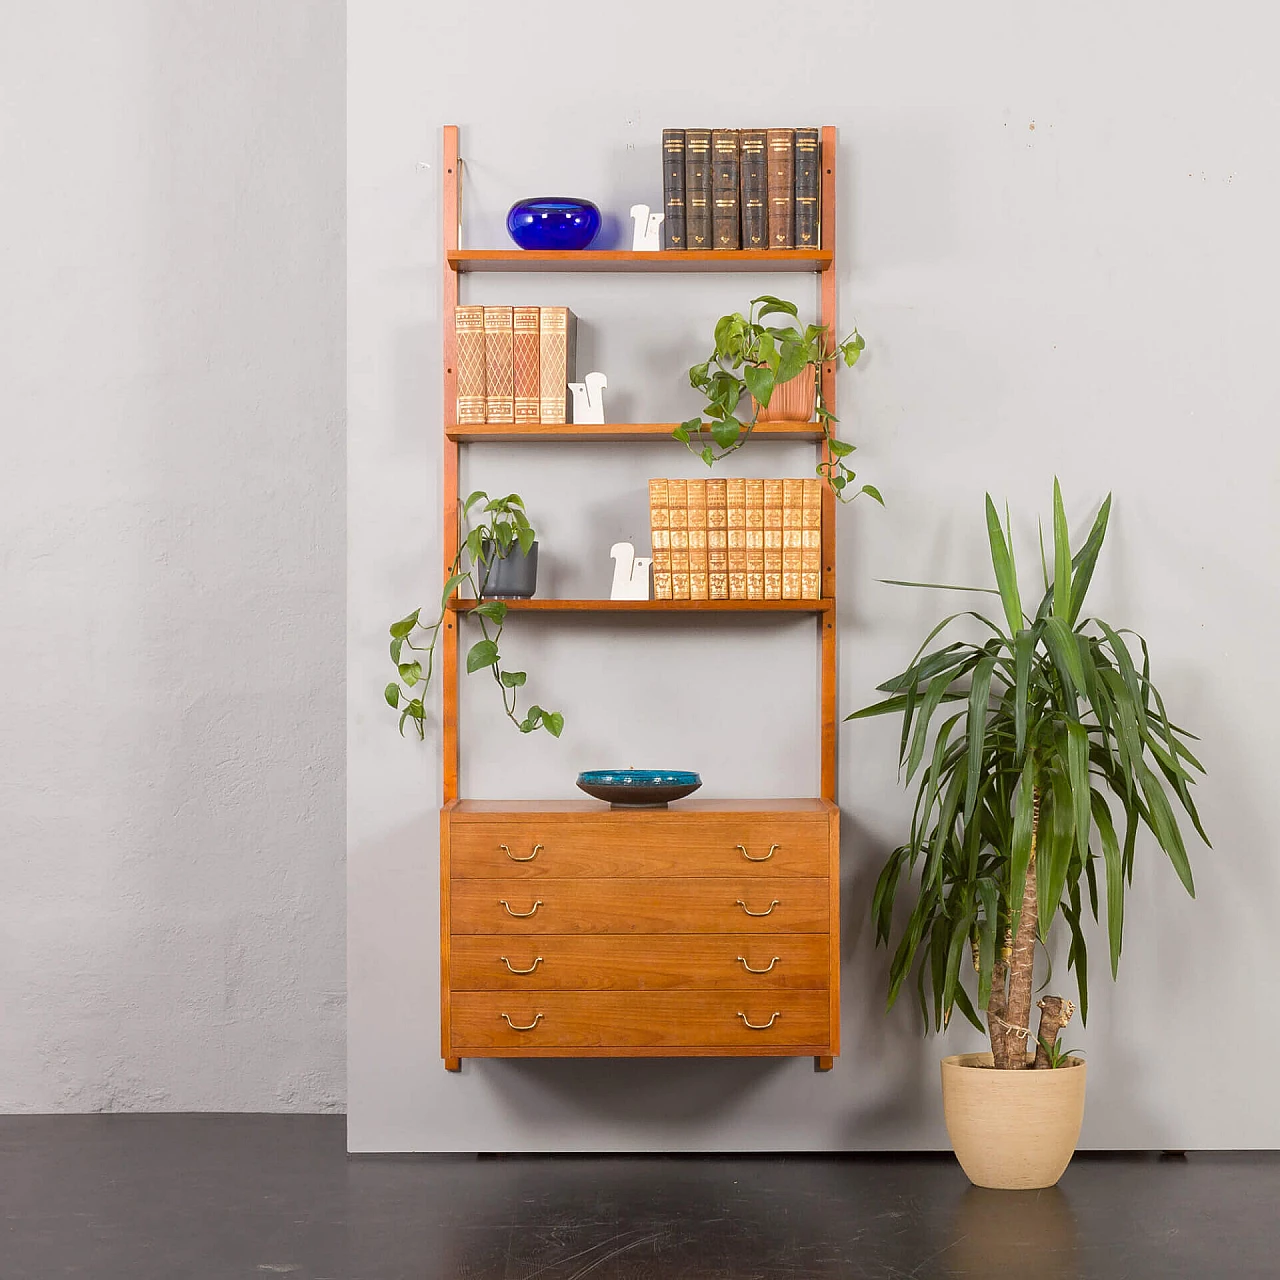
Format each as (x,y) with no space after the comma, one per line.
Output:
(1014,821)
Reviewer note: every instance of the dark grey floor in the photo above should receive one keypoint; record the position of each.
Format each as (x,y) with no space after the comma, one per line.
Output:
(208,1197)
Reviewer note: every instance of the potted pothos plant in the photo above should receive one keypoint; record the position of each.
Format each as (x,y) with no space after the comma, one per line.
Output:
(759,362)
(1030,796)
(496,556)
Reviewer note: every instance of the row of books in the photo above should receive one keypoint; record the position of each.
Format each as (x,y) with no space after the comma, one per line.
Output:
(741,189)
(736,539)
(513,364)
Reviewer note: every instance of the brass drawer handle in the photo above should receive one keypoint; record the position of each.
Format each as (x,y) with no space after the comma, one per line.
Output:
(520,915)
(537,960)
(773,848)
(537,1018)
(763,1026)
(739,902)
(513,857)
(749,969)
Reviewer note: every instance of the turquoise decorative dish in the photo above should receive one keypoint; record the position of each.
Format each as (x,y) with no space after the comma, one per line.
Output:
(639,788)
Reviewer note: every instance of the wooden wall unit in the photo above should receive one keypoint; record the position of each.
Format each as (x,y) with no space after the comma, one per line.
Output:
(571,930)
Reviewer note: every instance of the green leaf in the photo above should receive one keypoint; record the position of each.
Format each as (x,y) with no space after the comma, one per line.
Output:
(1165,826)
(839,448)
(478,495)
(686,429)
(872,492)
(1023,647)
(990,899)
(411,673)
(977,726)
(495,609)
(1061,643)
(402,628)
(396,646)
(1006,571)
(1078,775)
(1113,860)
(450,584)
(1086,559)
(760,383)
(512,679)
(484,653)
(553,722)
(725,433)
(1020,848)
(937,687)
(708,455)
(774,306)
(392,694)
(1061,558)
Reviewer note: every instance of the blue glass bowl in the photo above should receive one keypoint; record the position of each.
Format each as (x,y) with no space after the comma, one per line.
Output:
(639,788)
(553,222)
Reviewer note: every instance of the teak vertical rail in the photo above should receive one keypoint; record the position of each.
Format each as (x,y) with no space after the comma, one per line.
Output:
(449,472)
(827,621)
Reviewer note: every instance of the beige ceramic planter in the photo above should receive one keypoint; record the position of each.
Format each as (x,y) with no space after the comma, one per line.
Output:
(1012,1130)
(792,401)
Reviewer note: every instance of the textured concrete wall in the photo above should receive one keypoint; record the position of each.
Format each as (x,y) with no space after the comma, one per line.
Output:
(1057,232)
(171,555)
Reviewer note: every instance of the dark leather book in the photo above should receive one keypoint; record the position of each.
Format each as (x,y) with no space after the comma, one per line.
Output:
(724,189)
(808,189)
(673,189)
(697,188)
(753,189)
(781,144)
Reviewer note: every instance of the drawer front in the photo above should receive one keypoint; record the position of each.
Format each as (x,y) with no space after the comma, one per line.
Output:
(642,962)
(654,843)
(640,1019)
(745,905)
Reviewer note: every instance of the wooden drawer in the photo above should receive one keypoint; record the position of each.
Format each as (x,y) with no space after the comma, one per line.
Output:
(643,962)
(562,1022)
(705,905)
(647,843)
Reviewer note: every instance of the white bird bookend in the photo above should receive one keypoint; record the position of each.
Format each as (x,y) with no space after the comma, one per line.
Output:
(648,229)
(630,573)
(588,398)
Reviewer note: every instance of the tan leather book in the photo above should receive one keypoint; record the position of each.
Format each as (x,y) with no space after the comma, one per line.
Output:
(468,330)
(811,541)
(792,537)
(718,539)
(780,184)
(499,380)
(699,565)
(773,539)
(525,364)
(736,522)
(678,511)
(660,531)
(755,539)
(557,349)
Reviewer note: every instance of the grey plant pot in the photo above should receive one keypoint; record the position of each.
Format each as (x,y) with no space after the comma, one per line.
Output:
(510,577)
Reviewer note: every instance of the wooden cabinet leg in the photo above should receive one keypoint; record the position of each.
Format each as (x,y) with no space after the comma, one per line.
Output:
(453,1064)
(823,1064)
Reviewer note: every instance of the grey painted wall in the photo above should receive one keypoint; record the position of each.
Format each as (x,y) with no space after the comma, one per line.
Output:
(171,654)
(1057,233)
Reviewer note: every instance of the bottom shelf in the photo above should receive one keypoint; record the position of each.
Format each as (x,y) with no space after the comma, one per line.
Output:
(546,605)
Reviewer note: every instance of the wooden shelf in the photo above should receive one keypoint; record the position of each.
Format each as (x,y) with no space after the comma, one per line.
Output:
(791,804)
(695,260)
(655,606)
(580,432)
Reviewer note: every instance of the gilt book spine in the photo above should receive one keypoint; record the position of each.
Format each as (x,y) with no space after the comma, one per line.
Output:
(697,188)
(773,539)
(811,541)
(808,189)
(792,537)
(736,529)
(524,360)
(724,189)
(499,371)
(468,327)
(678,508)
(673,188)
(718,539)
(660,531)
(780,183)
(557,343)
(755,539)
(699,567)
(753,198)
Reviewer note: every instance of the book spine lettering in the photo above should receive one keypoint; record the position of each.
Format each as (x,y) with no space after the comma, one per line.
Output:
(673,188)
(755,539)
(736,528)
(468,326)
(792,531)
(781,188)
(811,541)
(678,508)
(697,188)
(773,539)
(557,341)
(808,189)
(718,539)
(724,189)
(753,197)
(524,359)
(499,371)
(699,568)
(660,531)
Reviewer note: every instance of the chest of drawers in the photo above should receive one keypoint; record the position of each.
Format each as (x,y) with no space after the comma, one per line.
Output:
(570,930)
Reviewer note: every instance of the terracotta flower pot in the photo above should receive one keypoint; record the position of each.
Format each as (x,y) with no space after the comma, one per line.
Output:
(792,401)
(1012,1130)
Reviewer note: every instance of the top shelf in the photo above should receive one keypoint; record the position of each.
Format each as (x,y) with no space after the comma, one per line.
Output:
(687,260)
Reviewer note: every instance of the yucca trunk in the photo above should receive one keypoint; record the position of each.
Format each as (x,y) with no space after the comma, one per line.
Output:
(1009,1015)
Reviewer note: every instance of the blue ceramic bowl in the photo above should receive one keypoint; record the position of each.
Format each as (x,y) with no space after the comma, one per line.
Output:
(553,222)
(639,788)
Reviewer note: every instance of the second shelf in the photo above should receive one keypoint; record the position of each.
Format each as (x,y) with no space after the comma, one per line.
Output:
(655,606)
(578,432)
